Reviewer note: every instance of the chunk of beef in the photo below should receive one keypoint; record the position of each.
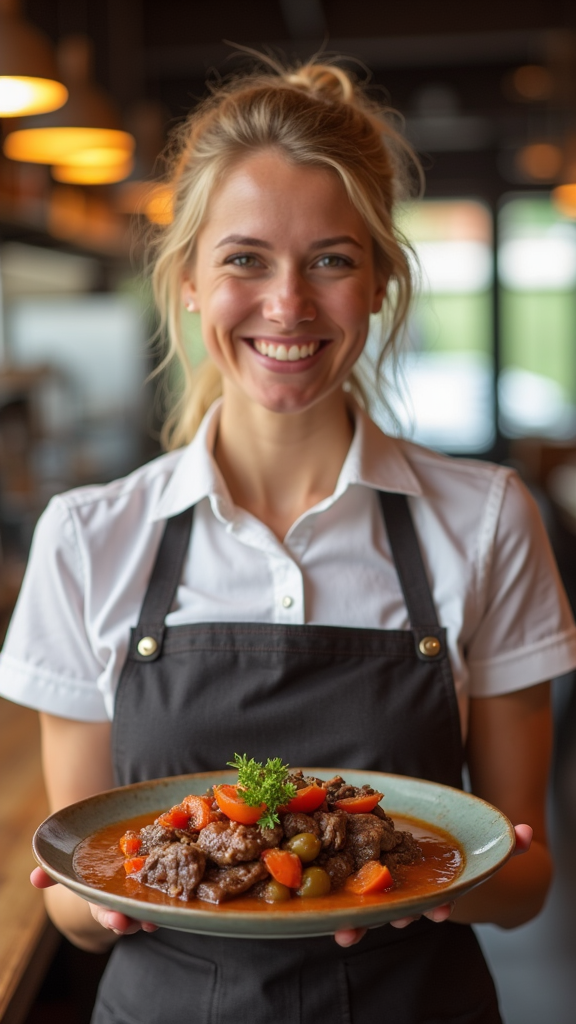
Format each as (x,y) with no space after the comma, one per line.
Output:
(175,868)
(363,838)
(221,884)
(156,835)
(407,851)
(374,838)
(230,842)
(332,827)
(295,822)
(338,866)
(390,837)
(301,781)
(379,812)
(339,789)
(183,836)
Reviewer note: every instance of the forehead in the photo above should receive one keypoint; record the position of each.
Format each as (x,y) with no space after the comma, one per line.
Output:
(266,193)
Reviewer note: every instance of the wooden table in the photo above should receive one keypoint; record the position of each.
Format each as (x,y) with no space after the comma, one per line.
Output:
(27,939)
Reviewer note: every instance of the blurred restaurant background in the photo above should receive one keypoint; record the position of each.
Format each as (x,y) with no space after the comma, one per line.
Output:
(488,98)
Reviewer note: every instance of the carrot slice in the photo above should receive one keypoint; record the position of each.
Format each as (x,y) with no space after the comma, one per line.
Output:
(199,809)
(176,817)
(130,843)
(133,864)
(359,804)
(372,877)
(230,801)
(285,867)
(307,799)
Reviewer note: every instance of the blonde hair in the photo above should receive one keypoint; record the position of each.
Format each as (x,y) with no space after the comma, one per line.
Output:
(315,115)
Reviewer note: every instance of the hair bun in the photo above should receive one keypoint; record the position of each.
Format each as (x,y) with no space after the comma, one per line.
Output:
(332,83)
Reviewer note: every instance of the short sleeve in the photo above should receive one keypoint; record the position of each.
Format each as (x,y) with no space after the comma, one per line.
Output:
(526,633)
(47,662)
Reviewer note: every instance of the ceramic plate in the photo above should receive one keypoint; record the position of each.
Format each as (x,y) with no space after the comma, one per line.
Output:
(485,836)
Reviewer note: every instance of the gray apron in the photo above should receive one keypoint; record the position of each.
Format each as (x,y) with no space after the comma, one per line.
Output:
(312,695)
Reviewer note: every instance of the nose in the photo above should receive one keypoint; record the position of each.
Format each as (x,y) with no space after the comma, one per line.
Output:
(288,301)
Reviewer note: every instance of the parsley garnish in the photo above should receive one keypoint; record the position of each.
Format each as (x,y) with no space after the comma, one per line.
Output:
(264,784)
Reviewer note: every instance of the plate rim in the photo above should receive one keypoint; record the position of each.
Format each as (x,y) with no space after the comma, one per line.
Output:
(201,915)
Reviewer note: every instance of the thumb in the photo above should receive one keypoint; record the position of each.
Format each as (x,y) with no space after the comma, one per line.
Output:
(523,835)
(40,880)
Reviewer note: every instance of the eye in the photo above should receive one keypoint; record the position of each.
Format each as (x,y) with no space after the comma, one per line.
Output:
(246,260)
(332,260)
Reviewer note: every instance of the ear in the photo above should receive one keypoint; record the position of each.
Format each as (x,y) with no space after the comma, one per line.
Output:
(188,293)
(380,289)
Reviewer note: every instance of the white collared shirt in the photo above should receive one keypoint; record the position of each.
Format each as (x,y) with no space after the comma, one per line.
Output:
(493,577)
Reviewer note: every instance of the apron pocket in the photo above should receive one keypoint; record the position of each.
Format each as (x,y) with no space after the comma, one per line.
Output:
(147,982)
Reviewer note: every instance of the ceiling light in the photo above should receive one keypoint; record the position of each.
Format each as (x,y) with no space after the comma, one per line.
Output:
(532,82)
(159,206)
(66,144)
(88,121)
(96,174)
(150,199)
(564,195)
(22,94)
(540,161)
(28,77)
(564,199)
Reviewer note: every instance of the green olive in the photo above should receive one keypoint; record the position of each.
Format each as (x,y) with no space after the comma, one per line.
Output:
(306,845)
(275,892)
(315,882)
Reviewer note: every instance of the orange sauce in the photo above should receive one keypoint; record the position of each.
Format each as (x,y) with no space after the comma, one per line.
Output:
(99,861)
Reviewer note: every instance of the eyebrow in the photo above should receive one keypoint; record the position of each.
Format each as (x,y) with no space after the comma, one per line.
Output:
(323,243)
(326,243)
(244,240)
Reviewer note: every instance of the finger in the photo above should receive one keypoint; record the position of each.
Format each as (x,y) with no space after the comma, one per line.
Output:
(523,835)
(439,914)
(403,922)
(349,936)
(112,919)
(119,923)
(40,880)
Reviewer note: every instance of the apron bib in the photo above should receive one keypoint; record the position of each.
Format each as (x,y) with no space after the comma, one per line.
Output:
(314,696)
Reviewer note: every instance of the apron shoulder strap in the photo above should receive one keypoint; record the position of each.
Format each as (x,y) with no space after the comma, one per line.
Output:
(408,560)
(163,582)
(167,570)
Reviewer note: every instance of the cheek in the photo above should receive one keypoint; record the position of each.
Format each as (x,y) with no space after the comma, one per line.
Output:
(229,305)
(351,310)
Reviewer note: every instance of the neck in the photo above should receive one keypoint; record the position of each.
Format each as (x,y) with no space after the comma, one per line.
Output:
(278,465)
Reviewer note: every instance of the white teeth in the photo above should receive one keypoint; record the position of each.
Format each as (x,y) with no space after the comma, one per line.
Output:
(283,354)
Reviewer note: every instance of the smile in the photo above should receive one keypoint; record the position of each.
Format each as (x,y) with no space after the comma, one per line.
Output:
(285,353)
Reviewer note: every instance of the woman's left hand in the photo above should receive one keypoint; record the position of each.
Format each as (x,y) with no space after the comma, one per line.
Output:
(350,936)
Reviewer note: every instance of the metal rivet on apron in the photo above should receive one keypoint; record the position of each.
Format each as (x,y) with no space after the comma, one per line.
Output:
(147,646)
(430,646)
(287,601)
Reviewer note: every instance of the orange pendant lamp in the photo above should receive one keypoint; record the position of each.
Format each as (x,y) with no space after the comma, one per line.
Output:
(141,195)
(83,141)
(564,195)
(28,76)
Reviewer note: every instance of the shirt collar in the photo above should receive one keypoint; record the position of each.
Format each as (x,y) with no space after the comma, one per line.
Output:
(374,460)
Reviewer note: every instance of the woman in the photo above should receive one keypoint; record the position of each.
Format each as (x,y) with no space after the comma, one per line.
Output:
(271,609)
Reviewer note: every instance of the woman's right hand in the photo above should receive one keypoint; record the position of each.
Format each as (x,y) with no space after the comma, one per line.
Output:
(111,920)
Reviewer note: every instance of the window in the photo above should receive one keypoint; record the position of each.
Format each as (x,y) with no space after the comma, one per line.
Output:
(445,397)
(537,277)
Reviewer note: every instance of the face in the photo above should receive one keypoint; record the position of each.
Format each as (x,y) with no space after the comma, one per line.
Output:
(284,280)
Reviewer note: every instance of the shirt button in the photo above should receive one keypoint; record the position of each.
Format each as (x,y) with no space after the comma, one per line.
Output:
(287,601)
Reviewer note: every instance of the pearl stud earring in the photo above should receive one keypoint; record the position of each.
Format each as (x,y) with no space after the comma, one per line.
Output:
(191,307)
